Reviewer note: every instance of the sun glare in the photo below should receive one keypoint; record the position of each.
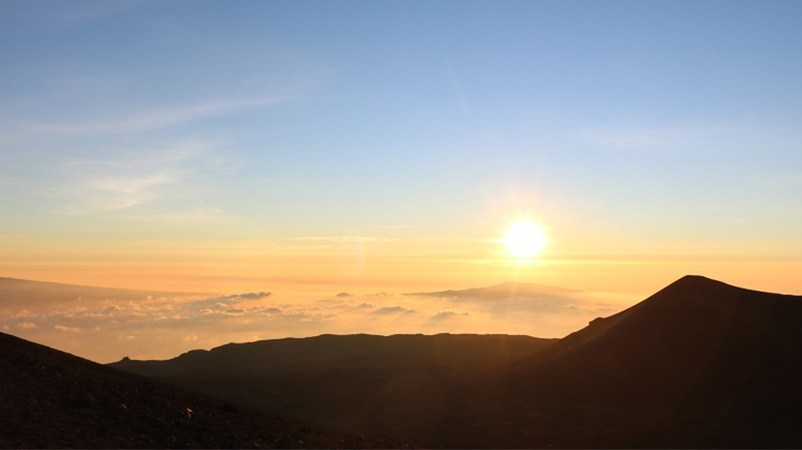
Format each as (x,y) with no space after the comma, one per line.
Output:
(524,240)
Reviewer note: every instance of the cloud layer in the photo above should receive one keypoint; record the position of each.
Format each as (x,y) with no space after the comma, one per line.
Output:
(106,328)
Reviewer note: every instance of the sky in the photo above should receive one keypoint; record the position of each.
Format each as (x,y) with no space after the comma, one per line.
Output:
(308,148)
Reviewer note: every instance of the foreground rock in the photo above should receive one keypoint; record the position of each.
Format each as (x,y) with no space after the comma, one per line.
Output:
(50,399)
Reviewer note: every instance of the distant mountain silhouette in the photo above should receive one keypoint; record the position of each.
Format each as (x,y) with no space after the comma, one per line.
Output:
(28,294)
(509,289)
(698,364)
(51,399)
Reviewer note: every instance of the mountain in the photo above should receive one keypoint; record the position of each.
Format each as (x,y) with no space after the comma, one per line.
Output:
(695,343)
(52,399)
(31,295)
(699,364)
(509,289)
(393,386)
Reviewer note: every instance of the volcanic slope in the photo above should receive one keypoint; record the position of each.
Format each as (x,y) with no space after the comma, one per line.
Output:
(52,399)
(697,342)
(400,387)
(698,364)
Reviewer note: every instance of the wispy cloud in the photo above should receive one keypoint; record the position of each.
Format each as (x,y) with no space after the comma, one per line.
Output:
(393,227)
(391,310)
(12,236)
(199,215)
(333,239)
(692,138)
(41,16)
(154,119)
(456,86)
(131,177)
(643,139)
(445,316)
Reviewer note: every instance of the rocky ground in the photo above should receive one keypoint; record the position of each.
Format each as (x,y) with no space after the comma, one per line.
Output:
(50,399)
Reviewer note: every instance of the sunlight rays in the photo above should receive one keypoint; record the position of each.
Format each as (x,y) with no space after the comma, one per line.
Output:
(524,239)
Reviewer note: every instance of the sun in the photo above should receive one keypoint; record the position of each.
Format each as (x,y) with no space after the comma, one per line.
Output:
(524,239)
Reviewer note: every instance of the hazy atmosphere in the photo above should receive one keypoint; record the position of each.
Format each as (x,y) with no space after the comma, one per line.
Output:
(263,169)
(106,325)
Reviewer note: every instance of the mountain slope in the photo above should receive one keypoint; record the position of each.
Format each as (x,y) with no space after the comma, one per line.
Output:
(400,386)
(448,352)
(696,341)
(699,364)
(51,399)
(32,295)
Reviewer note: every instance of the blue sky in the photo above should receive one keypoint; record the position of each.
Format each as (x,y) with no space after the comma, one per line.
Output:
(623,126)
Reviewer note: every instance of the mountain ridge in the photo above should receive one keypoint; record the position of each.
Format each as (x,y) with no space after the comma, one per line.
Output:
(22,281)
(394,386)
(506,289)
(36,295)
(700,363)
(690,323)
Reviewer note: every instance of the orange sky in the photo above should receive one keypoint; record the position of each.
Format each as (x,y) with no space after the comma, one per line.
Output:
(329,264)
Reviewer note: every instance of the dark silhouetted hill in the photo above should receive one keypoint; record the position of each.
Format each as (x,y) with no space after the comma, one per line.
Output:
(32,295)
(50,399)
(696,343)
(401,385)
(698,364)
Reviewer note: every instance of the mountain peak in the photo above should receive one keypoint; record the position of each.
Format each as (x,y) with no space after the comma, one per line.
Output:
(697,281)
(697,288)
(680,344)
